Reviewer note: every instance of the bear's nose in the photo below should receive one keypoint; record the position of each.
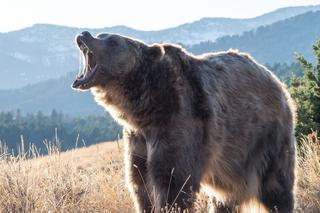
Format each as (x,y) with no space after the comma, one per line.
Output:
(86,34)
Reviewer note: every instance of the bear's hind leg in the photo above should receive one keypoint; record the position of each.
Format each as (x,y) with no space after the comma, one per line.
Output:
(278,200)
(277,180)
(277,193)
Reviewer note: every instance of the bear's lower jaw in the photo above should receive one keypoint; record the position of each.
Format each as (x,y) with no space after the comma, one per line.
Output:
(82,87)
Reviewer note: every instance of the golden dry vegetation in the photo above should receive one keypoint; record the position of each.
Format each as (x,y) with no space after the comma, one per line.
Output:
(92,180)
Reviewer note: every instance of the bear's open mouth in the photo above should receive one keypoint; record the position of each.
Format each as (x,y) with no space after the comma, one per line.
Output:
(84,79)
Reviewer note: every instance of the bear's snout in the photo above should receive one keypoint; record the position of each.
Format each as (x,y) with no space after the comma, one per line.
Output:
(84,40)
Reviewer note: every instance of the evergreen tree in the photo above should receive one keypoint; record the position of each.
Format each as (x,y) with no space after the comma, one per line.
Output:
(305,91)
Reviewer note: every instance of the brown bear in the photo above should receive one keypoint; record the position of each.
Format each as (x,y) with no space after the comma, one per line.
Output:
(219,120)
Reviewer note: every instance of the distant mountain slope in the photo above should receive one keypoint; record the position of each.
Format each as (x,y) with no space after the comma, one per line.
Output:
(52,94)
(44,51)
(274,43)
(213,28)
(36,54)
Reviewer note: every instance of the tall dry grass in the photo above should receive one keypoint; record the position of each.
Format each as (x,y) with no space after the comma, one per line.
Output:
(77,181)
(308,187)
(91,180)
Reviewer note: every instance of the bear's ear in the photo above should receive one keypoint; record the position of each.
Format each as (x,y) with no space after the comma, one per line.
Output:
(155,51)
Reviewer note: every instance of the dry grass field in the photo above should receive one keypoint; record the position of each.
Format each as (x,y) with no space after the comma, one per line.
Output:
(92,180)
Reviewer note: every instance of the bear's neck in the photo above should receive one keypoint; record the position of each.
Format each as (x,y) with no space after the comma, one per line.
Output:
(144,97)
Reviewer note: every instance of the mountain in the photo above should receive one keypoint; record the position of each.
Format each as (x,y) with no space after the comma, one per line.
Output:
(273,43)
(43,51)
(36,54)
(51,94)
(213,28)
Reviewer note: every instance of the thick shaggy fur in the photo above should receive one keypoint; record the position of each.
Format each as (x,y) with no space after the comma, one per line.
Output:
(219,120)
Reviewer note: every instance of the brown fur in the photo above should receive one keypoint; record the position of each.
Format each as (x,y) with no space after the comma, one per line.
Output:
(219,120)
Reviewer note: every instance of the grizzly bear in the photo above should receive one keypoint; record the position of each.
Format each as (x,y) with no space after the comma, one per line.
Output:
(219,120)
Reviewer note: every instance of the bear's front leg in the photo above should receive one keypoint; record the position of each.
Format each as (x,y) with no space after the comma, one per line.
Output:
(174,170)
(136,170)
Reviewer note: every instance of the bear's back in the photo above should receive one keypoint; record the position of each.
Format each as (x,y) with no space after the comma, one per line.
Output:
(236,80)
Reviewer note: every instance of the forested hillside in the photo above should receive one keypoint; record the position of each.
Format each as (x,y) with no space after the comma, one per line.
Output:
(274,43)
(64,131)
(52,94)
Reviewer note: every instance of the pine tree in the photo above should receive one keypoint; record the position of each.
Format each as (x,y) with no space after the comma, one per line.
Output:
(305,91)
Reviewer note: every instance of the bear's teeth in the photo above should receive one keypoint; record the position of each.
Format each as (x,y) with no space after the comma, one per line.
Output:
(80,76)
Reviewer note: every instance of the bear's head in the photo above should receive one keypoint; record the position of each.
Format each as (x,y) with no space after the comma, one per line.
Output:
(109,57)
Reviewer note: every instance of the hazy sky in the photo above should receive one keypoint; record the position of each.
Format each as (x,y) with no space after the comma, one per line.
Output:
(140,14)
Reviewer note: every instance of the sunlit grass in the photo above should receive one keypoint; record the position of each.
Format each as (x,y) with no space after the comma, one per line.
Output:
(308,189)
(92,180)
